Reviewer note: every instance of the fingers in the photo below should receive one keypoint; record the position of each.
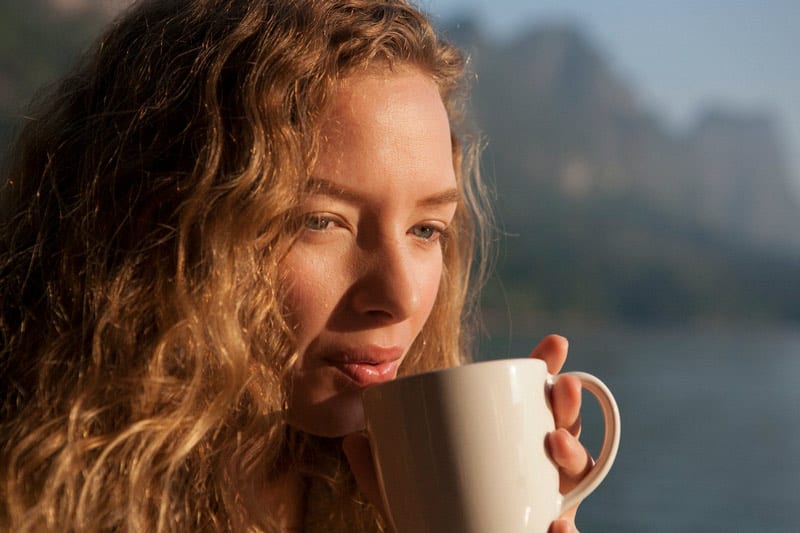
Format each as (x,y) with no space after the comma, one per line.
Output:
(566,392)
(562,526)
(553,351)
(573,461)
(359,454)
(565,398)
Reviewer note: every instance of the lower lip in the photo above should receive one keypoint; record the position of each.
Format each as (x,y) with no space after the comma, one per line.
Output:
(369,374)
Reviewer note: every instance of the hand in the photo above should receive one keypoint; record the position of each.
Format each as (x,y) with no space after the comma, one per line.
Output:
(573,460)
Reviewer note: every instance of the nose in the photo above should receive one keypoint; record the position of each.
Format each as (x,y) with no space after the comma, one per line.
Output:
(389,287)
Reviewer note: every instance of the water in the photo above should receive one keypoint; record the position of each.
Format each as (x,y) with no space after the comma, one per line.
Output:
(710,428)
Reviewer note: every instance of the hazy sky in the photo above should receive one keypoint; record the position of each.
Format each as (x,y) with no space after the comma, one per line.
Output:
(678,54)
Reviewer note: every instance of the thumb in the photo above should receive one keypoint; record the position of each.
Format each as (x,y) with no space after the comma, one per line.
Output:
(358,451)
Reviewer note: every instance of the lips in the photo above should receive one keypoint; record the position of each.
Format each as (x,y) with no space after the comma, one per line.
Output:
(367,365)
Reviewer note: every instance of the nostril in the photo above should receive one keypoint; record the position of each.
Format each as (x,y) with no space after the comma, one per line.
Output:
(381,300)
(379,313)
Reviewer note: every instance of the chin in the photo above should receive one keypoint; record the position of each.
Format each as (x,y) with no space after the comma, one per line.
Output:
(336,416)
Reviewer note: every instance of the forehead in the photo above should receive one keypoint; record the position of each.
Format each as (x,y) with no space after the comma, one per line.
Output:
(384,96)
(389,127)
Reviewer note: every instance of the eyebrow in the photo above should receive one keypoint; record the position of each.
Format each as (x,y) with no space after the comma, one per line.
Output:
(328,188)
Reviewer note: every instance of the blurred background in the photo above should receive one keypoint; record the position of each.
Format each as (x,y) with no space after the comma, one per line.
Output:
(645,158)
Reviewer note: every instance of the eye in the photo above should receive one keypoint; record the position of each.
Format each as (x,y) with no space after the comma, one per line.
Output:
(318,222)
(426,232)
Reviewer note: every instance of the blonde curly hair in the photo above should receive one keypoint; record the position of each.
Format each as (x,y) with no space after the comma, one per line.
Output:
(144,216)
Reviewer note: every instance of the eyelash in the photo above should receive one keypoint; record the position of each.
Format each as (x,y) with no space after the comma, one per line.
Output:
(318,222)
(311,221)
(436,233)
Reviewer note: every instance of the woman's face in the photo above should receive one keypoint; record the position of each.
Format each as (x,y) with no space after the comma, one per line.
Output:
(363,275)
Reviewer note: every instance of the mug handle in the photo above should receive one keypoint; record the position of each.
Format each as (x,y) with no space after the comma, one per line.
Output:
(610,440)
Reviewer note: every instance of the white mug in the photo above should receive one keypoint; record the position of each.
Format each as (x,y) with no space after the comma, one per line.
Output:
(462,450)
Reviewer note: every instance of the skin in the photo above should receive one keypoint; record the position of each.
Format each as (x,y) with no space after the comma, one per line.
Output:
(363,276)
(364,273)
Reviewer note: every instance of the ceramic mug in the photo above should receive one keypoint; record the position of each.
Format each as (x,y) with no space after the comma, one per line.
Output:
(462,450)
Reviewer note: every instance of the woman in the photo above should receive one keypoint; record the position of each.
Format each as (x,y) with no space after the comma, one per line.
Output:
(232,217)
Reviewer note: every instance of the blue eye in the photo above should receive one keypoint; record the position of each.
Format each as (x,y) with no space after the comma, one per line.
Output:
(317,222)
(426,233)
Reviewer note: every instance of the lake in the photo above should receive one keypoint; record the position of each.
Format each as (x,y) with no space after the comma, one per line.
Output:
(710,427)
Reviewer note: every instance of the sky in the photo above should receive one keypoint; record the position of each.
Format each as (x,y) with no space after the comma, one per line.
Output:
(679,55)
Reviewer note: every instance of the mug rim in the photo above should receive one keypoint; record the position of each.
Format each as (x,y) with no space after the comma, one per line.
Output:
(469,367)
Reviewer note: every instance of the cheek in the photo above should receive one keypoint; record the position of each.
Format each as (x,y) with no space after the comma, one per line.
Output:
(429,289)
(310,293)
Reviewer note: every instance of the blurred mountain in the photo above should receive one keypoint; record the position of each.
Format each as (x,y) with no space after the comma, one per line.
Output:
(609,213)
(743,181)
(606,213)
